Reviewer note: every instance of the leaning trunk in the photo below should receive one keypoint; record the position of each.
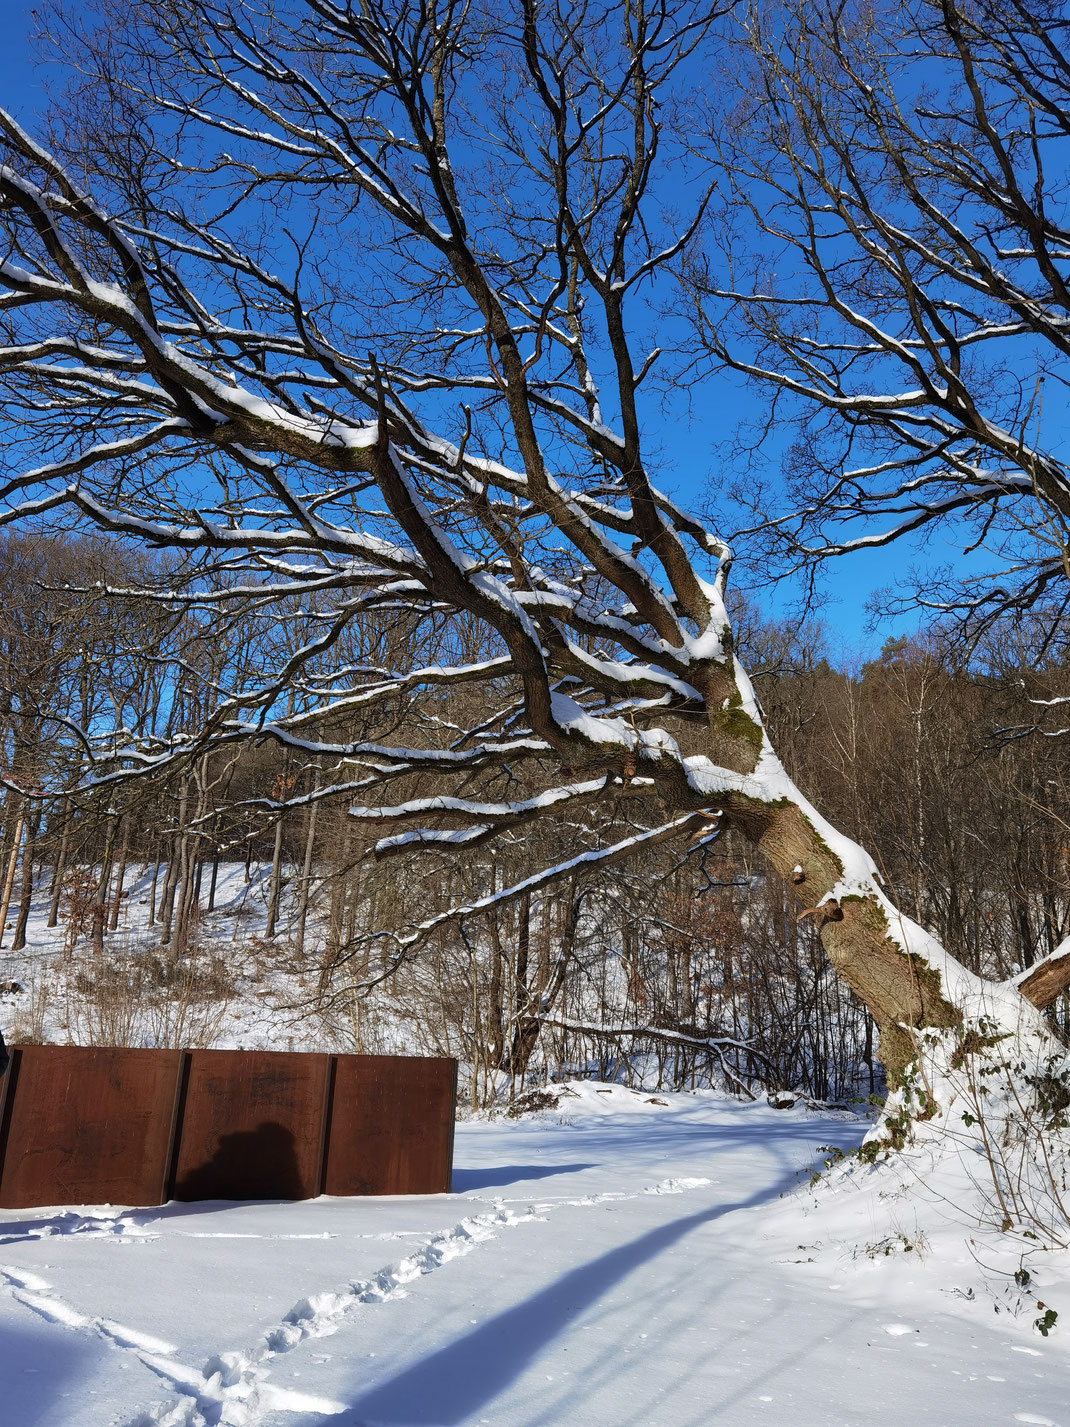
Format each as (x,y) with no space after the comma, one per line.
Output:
(915,991)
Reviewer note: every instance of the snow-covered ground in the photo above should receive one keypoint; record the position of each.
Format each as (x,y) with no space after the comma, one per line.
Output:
(625,1260)
(261,997)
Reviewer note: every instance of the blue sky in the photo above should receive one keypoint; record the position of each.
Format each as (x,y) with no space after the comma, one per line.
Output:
(19,84)
(691,445)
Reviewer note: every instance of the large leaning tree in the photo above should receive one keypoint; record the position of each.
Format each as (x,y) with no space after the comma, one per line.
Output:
(356,309)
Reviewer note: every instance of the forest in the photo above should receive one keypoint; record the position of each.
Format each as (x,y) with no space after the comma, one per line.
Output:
(408,411)
(690,968)
(535,533)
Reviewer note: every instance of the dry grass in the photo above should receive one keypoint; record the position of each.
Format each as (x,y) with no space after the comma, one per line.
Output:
(145,998)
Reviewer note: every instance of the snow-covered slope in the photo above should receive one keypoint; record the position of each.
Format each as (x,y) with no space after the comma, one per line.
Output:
(624,1260)
(236,990)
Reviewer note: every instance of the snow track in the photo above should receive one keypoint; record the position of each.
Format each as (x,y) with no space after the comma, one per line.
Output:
(37,1295)
(641,1293)
(233,1388)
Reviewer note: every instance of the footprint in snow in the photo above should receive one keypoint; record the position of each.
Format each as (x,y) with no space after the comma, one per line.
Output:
(676,1186)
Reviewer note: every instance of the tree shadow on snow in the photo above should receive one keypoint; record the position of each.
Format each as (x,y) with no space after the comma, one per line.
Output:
(43,1375)
(467,1180)
(448,1386)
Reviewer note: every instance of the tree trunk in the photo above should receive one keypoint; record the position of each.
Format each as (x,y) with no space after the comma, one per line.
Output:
(305,889)
(344,887)
(910,985)
(170,883)
(12,862)
(522,1041)
(152,889)
(496,1009)
(275,885)
(185,897)
(98,911)
(120,876)
(25,901)
(59,870)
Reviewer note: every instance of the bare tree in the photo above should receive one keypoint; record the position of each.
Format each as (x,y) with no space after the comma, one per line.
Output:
(890,263)
(487,199)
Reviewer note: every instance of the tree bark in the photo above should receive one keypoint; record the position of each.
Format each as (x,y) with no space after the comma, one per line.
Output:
(120,876)
(59,870)
(275,884)
(26,898)
(305,890)
(9,879)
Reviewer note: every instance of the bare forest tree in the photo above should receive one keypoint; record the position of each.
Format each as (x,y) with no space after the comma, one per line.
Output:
(893,224)
(354,309)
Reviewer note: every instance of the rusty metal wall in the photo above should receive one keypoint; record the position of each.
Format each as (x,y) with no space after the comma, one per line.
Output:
(251,1126)
(81,1125)
(87,1126)
(391,1126)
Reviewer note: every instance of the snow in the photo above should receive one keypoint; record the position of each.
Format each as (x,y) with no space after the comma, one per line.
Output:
(625,1257)
(770,782)
(251,1015)
(1061,950)
(622,1258)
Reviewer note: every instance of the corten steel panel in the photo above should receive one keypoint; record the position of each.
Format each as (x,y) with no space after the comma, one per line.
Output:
(87,1125)
(391,1125)
(251,1126)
